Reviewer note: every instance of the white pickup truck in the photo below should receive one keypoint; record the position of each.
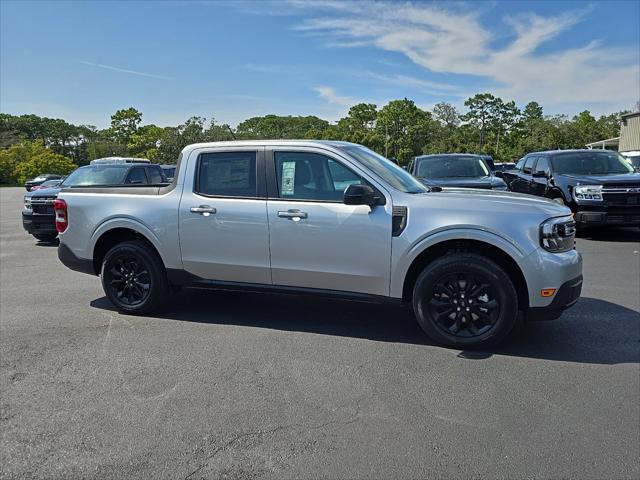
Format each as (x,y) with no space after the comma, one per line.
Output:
(330,218)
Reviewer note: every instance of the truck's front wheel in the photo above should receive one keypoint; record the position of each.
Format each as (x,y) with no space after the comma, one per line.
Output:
(133,278)
(464,300)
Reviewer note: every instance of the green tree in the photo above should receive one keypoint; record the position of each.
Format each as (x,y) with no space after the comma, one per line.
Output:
(31,159)
(405,128)
(124,124)
(481,107)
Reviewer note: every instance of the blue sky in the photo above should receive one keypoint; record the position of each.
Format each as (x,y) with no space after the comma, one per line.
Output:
(81,61)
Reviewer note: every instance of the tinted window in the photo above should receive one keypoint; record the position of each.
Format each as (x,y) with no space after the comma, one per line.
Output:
(447,166)
(520,164)
(528,165)
(590,163)
(137,175)
(311,176)
(155,175)
(228,174)
(543,165)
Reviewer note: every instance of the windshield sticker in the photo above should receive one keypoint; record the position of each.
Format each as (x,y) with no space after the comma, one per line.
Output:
(288,177)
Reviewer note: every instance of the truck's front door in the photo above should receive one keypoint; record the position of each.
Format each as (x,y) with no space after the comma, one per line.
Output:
(223,216)
(316,240)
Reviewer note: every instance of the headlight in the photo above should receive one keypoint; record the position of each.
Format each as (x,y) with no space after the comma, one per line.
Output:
(27,202)
(558,234)
(583,193)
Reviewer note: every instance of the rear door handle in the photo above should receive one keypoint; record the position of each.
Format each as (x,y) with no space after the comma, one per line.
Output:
(204,210)
(293,214)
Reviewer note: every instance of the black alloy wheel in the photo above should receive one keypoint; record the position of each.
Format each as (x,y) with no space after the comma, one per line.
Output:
(465,300)
(463,304)
(134,278)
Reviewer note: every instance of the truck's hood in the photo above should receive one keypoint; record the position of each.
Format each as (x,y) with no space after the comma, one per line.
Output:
(493,201)
(613,179)
(487,182)
(44,192)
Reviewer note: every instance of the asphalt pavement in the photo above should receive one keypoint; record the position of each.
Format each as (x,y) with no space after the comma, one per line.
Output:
(237,385)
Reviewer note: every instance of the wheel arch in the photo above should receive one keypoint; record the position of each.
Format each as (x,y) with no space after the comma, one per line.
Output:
(106,238)
(451,246)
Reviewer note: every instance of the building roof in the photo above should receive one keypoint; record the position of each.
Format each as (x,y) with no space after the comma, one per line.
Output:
(630,115)
(609,142)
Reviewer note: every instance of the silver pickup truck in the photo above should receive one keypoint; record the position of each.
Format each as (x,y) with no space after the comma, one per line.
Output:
(331,218)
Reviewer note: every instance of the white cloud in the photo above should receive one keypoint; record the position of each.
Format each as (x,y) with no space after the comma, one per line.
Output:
(331,96)
(456,42)
(124,70)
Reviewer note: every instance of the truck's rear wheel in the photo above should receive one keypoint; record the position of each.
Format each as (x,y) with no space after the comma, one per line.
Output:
(464,300)
(133,278)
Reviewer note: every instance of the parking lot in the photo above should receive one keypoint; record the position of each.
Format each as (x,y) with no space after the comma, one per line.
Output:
(237,385)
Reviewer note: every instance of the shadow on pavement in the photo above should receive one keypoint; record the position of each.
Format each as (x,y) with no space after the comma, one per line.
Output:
(610,234)
(593,331)
(41,243)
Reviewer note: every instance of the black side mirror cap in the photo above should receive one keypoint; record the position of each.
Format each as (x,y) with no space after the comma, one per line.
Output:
(498,173)
(539,175)
(356,194)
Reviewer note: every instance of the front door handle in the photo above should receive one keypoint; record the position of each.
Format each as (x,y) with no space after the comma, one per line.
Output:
(294,215)
(204,210)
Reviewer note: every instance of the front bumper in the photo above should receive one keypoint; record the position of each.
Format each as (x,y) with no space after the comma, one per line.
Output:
(600,218)
(566,296)
(35,223)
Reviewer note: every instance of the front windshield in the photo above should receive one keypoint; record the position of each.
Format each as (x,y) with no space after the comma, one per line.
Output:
(386,169)
(96,175)
(446,166)
(590,163)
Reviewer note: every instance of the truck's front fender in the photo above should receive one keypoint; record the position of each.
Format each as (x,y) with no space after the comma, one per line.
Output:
(405,255)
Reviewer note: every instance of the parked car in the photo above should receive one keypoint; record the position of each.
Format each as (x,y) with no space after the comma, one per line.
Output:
(40,179)
(456,170)
(47,184)
(503,167)
(599,186)
(38,217)
(169,171)
(272,216)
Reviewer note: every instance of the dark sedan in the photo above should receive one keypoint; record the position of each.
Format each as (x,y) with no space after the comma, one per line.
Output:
(456,170)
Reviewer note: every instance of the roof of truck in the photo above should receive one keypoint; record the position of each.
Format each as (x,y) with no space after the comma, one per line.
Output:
(242,143)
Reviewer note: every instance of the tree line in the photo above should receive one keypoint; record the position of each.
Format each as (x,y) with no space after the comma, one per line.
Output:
(400,130)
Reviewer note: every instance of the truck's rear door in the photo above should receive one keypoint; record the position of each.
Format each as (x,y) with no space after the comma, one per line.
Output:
(224,232)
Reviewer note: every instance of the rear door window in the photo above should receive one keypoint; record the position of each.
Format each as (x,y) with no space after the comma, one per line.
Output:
(227,174)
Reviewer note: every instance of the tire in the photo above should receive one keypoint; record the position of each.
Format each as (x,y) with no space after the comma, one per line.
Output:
(45,237)
(134,278)
(466,301)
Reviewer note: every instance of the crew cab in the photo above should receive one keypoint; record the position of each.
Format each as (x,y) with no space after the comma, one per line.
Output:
(456,170)
(329,218)
(600,186)
(38,217)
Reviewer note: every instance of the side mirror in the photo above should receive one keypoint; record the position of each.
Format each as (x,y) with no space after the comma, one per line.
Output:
(356,194)
(498,173)
(539,175)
